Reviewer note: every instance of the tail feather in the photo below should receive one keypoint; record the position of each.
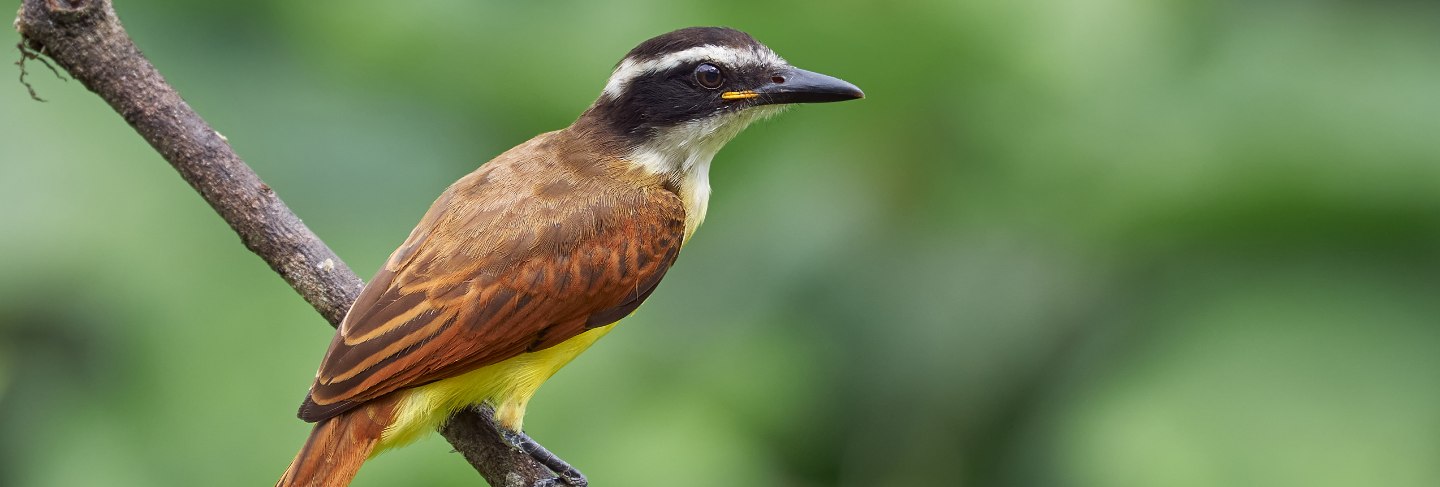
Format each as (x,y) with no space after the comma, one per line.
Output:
(338,446)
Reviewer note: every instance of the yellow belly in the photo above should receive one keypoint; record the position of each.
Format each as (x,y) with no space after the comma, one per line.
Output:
(506,385)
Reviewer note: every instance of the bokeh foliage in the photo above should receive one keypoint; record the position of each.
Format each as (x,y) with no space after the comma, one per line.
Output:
(1062,243)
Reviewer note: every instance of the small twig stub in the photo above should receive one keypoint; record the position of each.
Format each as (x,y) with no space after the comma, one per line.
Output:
(28,52)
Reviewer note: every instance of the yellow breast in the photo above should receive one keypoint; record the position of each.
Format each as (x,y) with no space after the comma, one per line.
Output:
(506,385)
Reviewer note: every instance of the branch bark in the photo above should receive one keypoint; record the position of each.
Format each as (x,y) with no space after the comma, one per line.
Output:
(86,39)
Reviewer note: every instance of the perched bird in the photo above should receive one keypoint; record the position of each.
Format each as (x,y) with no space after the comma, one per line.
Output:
(521,265)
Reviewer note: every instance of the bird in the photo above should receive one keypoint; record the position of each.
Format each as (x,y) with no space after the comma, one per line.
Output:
(523,264)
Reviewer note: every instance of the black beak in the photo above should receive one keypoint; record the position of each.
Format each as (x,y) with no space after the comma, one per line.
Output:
(795,85)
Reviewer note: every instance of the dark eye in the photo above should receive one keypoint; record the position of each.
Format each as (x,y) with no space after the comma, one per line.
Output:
(708,76)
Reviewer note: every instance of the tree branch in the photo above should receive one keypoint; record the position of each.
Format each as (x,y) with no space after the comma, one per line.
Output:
(86,39)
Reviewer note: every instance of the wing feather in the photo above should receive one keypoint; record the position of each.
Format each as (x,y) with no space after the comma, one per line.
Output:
(492,272)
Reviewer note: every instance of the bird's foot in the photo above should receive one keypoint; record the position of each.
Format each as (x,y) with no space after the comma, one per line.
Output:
(566,474)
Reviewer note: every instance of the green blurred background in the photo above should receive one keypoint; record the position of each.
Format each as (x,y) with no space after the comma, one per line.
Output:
(1061,243)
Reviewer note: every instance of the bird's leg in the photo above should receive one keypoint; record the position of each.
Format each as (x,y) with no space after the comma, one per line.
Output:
(568,474)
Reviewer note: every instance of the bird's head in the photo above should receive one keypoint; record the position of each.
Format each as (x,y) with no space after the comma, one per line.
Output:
(677,98)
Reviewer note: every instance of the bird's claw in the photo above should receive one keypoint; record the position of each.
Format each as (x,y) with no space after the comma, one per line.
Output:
(573,478)
(566,481)
(565,474)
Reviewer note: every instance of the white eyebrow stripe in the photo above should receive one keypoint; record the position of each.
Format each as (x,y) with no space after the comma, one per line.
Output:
(729,56)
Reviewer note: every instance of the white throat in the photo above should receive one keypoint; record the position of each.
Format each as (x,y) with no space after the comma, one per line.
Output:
(682,153)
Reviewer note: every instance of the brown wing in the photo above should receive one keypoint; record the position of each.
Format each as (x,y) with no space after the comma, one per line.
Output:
(511,259)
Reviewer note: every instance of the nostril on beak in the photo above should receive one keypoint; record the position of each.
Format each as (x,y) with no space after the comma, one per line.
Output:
(777,79)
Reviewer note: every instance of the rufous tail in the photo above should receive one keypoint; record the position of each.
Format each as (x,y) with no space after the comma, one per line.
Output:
(338,446)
